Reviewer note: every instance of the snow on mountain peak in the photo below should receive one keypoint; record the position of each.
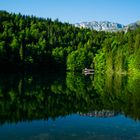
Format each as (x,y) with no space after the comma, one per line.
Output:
(101,26)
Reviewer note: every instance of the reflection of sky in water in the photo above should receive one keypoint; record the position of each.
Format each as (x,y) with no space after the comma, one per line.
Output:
(73,127)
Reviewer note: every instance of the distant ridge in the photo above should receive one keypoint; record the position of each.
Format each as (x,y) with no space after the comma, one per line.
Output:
(107,26)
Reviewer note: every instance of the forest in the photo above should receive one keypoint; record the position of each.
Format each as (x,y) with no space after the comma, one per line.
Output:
(28,42)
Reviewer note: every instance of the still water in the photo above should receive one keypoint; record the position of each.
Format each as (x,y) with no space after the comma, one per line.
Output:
(69,106)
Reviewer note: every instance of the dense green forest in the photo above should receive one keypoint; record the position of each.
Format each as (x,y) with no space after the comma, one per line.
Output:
(120,53)
(28,42)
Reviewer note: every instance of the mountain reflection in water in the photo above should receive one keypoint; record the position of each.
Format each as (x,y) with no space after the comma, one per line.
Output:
(102,113)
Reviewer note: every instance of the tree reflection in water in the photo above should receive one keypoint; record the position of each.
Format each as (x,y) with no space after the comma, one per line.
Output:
(31,96)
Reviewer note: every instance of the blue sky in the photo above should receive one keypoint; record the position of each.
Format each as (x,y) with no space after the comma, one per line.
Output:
(73,11)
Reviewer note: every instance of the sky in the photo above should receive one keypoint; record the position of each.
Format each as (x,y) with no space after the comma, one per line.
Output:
(75,11)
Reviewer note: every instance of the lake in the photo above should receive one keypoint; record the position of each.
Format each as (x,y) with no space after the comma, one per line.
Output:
(50,106)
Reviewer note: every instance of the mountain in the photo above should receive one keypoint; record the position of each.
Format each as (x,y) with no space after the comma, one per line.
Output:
(107,26)
(132,26)
(101,26)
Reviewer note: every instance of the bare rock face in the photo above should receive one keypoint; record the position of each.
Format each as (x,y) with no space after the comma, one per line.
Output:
(107,26)
(101,26)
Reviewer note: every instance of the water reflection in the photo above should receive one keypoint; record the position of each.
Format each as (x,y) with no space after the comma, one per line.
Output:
(120,93)
(102,113)
(48,96)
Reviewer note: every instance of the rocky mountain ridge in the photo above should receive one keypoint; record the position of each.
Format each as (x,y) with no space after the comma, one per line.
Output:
(107,26)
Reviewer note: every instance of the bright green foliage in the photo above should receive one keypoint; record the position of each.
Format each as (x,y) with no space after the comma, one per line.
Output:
(100,62)
(59,55)
(79,59)
(121,53)
(134,62)
(75,61)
